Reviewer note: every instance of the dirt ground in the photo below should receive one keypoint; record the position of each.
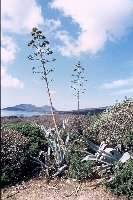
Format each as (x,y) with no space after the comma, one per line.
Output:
(58,189)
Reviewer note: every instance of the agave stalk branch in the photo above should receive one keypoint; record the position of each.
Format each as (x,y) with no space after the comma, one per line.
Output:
(51,106)
(78,89)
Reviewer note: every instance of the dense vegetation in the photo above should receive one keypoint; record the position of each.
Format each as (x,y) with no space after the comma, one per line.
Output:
(21,144)
(115,125)
(18,143)
(123,179)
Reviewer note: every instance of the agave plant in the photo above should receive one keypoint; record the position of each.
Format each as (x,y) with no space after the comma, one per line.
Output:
(54,148)
(106,155)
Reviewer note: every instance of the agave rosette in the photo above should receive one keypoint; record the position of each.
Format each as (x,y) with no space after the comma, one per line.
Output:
(58,151)
(106,155)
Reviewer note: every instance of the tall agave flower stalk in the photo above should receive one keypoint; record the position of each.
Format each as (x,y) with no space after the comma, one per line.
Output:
(77,82)
(40,43)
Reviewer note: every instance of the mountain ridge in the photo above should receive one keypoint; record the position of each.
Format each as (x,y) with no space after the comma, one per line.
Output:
(29,108)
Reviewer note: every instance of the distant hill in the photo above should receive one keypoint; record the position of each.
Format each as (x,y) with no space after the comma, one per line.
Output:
(29,108)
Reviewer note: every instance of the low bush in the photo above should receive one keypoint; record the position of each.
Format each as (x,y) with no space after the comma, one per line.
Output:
(12,143)
(34,135)
(80,170)
(123,179)
(77,124)
(18,143)
(115,126)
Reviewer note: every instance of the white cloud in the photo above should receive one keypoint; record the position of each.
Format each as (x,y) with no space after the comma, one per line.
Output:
(71,46)
(117,83)
(9,81)
(52,24)
(20,17)
(99,21)
(123,92)
(8,49)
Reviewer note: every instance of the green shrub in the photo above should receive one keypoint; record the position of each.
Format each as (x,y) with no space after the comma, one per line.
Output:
(34,135)
(80,170)
(123,179)
(13,144)
(16,161)
(75,151)
(115,125)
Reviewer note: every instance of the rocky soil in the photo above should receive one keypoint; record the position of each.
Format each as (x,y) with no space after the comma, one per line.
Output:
(58,189)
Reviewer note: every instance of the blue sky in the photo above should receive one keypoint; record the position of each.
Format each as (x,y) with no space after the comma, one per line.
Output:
(98,33)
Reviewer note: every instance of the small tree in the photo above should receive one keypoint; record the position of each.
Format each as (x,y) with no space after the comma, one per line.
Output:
(78,87)
(40,43)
